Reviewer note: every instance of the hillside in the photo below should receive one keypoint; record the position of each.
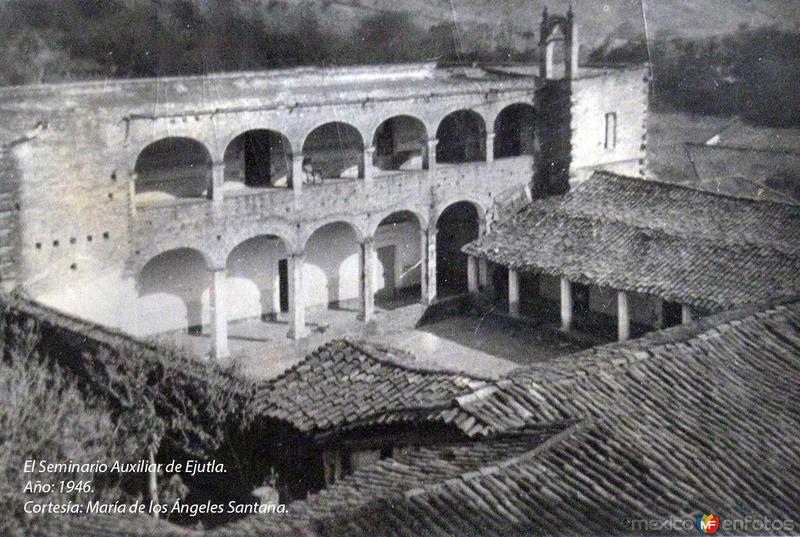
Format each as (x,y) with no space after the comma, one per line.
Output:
(514,23)
(56,40)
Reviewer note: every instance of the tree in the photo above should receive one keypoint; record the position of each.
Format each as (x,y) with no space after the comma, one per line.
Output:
(43,416)
(156,400)
(388,37)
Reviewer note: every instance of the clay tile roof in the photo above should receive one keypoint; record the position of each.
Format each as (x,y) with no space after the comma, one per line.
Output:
(346,384)
(700,417)
(697,418)
(684,245)
(403,476)
(110,525)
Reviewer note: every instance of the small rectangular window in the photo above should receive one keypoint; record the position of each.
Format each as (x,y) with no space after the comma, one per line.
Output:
(611,130)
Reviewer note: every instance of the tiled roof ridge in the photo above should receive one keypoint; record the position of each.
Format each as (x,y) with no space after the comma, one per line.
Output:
(552,206)
(567,428)
(674,186)
(410,411)
(368,350)
(385,354)
(660,232)
(621,354)
(665,231)
(562,431)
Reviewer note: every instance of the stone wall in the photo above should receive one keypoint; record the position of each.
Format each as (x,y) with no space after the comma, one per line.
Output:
(625,94)
(346,212)
(81,239)
(9,220)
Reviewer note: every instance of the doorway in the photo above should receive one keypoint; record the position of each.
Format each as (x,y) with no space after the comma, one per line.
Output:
(672,314)
(283,284)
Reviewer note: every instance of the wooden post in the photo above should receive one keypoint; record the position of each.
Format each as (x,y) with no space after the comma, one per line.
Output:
(513,293)
(566,305)
(623,317)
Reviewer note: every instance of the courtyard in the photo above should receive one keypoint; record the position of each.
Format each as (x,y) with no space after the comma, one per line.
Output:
(456,339)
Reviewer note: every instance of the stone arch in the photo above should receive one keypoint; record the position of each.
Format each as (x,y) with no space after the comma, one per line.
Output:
(400,143)
(332,265)
(475,203)
(172,290)
(171,168)
(257,277)
(462,137)
(514,131)
(378,218)
(333,150)
(457,224)
(399,252)
(258,158)
(359,228)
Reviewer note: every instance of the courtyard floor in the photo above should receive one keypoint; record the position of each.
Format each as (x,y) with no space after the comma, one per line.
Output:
(485,346)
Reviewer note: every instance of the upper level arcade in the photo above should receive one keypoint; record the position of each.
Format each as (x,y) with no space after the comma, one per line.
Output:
(102,177)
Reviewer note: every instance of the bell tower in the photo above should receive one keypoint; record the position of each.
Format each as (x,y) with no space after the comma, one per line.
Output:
(558,46)
(558,67)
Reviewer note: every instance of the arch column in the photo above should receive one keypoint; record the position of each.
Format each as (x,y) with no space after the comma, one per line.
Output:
(297,174)
(368,280)
(219,315)
(472,274)
(427,238)
(367,171)
(275,312)
(686,314)
(489,146)
(297,307)
(430,154)
(218,183)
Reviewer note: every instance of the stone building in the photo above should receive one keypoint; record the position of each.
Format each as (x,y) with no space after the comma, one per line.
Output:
(183,203)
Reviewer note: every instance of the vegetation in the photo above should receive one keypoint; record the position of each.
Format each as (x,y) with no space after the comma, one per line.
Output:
(49,40)
(66,397)
(752,73)
(43,416)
